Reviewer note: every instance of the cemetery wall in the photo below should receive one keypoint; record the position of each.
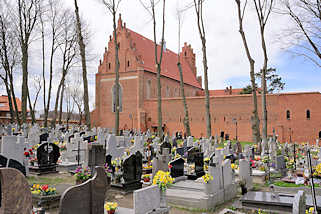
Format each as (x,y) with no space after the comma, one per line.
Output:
(225,108)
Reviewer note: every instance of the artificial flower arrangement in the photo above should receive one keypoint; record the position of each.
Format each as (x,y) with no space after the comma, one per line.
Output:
(310,211)
(111,207)
(146,177)
(82,174)
(257,158)
(290,164)
(28,153)
(266,159)
(207,178)
(234,166)
(163,180)
(108,170)
(62,147)
(43,190)
(147,166)
(317,171)
(262,168)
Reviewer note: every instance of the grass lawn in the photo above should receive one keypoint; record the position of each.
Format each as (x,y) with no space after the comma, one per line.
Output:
(51,180)
(285,184)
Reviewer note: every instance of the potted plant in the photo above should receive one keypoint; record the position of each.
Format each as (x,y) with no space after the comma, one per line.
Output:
(111,207)
(163,180)
(146,178)
(207,178)
(82,175)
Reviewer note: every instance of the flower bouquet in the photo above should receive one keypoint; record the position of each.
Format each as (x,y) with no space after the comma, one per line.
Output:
(82,174)
(207,178)
(146,177)
(317,171)
(43,190)
(163,180)
(111,207)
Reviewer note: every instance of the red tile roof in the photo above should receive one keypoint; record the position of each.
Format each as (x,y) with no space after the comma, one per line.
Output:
(4,103)
(145,48)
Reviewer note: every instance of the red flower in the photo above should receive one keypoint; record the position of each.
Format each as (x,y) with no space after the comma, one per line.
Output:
(44,187)
(26,154)
(170,166)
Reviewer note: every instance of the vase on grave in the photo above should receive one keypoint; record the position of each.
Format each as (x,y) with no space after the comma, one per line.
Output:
(163,199)
(111,211)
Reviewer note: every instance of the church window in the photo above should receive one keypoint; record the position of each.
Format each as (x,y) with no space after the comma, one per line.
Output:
(185,53)
(109,65)
(148,89)
(114,99)
(308,114)
(128,64)
(288,115)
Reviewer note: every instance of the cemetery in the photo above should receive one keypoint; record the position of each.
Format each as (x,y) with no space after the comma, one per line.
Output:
(141,173)
(91,124)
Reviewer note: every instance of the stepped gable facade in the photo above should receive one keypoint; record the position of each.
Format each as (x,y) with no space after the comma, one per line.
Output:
(291,115)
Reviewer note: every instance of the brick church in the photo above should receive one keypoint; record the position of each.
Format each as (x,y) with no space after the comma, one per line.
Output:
(293,116)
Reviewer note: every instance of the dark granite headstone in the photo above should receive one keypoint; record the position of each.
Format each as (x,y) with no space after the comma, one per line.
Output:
(3,161)
(44,137)
(165,144)
(182,151)
(86,198)
(17,165)
(48,155)
(191,154)
(96,155)
(15,192)
(139,165)
(108,160)
(129,166)
(177,169)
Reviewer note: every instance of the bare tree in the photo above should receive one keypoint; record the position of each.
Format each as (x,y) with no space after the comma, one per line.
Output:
(82,48)
(37,85)
(198,5)
(112,6)
(26,17)
(263,10)
(69,53)
(77,94)
(70,105)
(186,116)
(255,117)
(305,34)
(151,8)
(56,20)
(9,59)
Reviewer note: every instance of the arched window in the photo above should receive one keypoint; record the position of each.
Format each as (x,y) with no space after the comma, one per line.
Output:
(288,115)
(109,65)
(308,114)
(167,91)
(114,99)
(148,89)
(128,64)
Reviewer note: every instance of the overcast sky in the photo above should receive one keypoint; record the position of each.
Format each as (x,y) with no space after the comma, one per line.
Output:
(227,61)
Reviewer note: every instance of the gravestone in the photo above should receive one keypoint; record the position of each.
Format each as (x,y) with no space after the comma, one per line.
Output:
(244,173)
(299,205)
(132,172)
(147,200)
(196,157)
(47,155)
(12,147)
(165,145)
(177,169)
(3,161)
(15,192)
(280,164)
(160,162)
(86,198)
(43,137)
(95,156)
(190,141)
(227,173)
(17,165)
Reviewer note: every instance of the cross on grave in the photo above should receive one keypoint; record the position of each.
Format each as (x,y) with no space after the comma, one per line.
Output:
(78,153)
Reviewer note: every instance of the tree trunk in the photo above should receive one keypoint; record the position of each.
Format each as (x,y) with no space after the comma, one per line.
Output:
(32,113)
(207,96)
(24,89)
(54,119)
(43,64)
(264,90)
(61,102)
(84,67)
(159,102)
(186,117)
(9,100)
(116,73)
(255,117)
(14,100)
